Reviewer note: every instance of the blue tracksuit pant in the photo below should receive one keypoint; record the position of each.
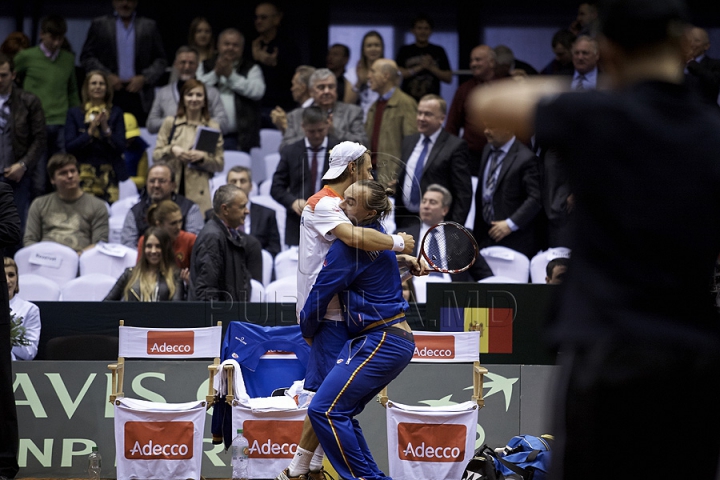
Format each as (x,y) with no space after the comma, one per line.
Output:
(366,364)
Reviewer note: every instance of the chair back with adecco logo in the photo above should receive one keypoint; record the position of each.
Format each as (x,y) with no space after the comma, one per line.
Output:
(161,440)
(269,358)
(435,442)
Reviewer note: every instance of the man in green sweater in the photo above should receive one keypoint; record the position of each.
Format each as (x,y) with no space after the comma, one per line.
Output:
(48,71)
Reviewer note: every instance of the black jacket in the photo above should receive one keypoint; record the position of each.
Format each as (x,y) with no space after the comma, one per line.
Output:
(28,127)
(222,266)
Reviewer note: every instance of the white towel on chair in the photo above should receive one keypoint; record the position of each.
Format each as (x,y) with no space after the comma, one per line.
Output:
(239,391)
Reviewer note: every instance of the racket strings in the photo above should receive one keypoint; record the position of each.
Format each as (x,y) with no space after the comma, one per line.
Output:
(449,248)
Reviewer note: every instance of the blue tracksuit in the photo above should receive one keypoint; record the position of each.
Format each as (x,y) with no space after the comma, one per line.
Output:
(371,291)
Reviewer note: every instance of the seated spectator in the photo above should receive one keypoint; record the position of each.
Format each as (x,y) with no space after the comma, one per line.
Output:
(67,216)
(136,160)
(175,145)
(95,134)
(300,89)
(167,215)
(155,278)
(167,97)
(27,312)
(555,270)
(160,186)
(346,123)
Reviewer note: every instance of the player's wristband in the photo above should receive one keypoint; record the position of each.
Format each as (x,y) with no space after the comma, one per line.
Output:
(398,243)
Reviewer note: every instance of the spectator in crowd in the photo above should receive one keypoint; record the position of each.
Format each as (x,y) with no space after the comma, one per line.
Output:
(48,71)
(175,145)
(372,48)
(301,168)
(392,117)
(586,22)
(200,37)
(345,120)
(261,222)
(277,55)
(224,259)
(423,65)
(432,156)
(167,97)
(507,199)
(300,90)
(95,135)
(561,44)
(68,216)
(9,440)
(155,277)
(135,154)
(336,61)
(14,43)
(555,270)
(434,208)
(241,86)
(506,65)
(482,65)
(161,185)
(585,55)
(21,310)
(702,73)
(167,215)
(22,137)
(128,48)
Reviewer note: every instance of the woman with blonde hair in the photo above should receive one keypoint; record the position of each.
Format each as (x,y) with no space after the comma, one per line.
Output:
(95,135)
(155,278)
(167,215)
(28,312)
(176,140)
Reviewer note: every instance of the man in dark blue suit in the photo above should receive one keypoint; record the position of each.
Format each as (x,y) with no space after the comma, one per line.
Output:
(507,199)
(113,42)
(445,161)
(301,168)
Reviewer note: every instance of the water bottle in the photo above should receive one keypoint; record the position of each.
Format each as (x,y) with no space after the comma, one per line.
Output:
(94,464)
(240,451)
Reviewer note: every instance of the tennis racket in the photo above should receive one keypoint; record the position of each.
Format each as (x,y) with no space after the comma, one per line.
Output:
(447,247)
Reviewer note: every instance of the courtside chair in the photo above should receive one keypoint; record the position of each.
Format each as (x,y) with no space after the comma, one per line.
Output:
(92,287)
(107,258)
(539,262)
(506,262)
(37,288)
(52,260)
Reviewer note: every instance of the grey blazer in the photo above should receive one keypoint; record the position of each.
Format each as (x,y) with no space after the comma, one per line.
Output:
(166,102)
(347,121)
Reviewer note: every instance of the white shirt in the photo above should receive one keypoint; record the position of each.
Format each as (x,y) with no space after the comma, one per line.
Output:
(410,168)
(30,314)
(319,217)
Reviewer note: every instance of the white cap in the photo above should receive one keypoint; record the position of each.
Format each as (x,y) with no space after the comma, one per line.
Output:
(340,156)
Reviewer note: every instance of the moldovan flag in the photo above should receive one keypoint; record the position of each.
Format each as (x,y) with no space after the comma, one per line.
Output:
(495,325)
(430,442)
(158,440)
(272,435)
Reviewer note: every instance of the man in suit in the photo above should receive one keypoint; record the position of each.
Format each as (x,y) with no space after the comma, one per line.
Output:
(507,199)
(262,223)
(389,120)
(443,161)
(301,168)
(435,205)
(166,98)
(585,55)
(346,122)
(9,237)
(129,49)
(702,73)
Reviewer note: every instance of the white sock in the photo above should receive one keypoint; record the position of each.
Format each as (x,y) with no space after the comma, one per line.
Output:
(300,463)
(317,459)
